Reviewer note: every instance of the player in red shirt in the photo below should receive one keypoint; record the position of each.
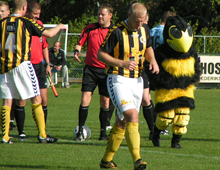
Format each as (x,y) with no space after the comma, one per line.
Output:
(94,72)
(39,52)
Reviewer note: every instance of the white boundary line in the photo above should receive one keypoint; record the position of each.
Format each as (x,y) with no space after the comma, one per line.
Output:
(149,151)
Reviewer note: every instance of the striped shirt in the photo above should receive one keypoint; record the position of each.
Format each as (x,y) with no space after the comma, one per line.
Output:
(124,44)
(15,37)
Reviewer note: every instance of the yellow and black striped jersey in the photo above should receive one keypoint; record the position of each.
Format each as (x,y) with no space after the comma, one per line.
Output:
(15,38)
(124,44)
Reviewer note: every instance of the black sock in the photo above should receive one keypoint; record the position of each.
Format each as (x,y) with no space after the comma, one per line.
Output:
(45,113)
(154,113)
(110,113)
(176,138)
(83,113)
(103,118)
(148,112)
(19,117)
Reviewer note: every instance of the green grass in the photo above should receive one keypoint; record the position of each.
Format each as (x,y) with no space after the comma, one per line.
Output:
(201,144)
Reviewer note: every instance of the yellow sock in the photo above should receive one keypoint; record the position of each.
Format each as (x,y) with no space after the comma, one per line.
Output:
(5,122)
(114,141)
(38,115)
(132,137)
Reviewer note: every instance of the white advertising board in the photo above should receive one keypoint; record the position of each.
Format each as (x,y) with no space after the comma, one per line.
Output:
(210,67)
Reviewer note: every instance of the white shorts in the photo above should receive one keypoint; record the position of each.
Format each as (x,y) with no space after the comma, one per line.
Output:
(126,93)
(20,82)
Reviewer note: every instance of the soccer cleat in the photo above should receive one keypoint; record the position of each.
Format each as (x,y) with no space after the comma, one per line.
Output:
(165,132)
(108,165)
(103,137)
(6,142)
(140,165)
(175,145)
(47,140)
(80,137)
(156,139)
(22,137)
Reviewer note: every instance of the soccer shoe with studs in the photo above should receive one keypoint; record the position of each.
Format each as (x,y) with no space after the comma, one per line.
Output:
(22,137)
(80,137)
(6,142)
(140,165)
(108,165)
(47,140)
(103,137)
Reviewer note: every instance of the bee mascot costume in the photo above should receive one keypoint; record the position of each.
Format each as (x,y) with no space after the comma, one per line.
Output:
(174,86)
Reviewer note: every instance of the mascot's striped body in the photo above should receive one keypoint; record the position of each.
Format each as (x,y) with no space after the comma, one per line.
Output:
(174,85)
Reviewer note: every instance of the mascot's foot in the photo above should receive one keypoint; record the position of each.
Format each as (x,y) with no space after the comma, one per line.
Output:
(176,145)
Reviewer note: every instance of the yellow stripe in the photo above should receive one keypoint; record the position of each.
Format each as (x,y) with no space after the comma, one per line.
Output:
(126,50)
(19,43)
(3,44)
(164,95)
(180,67)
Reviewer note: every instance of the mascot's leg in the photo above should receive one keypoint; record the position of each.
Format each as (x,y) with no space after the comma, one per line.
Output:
(180,122)
(164,119)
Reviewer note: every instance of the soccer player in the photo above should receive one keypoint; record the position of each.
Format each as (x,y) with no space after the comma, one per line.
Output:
(94,72)
(39,52)
(17,75)
(4,9)
(124,51)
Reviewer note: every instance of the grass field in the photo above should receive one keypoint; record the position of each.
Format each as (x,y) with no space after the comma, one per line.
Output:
(201,144)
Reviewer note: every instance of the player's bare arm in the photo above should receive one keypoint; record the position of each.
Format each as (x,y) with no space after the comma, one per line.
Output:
(149,56)
(47,60)
(77,52)
(53,31)
(106,58)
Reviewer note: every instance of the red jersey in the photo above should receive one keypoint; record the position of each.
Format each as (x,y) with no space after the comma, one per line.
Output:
(94,34)
(37,46)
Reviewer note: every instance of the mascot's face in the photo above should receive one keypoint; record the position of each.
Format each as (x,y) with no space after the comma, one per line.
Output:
(178,35)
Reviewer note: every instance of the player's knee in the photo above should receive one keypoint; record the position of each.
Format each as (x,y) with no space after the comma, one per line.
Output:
(179,130)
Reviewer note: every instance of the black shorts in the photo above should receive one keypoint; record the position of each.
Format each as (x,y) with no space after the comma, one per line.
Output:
(93,76)
(40,70)
(146,80)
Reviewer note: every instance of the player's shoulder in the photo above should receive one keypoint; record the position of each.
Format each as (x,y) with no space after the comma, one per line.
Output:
(91,26)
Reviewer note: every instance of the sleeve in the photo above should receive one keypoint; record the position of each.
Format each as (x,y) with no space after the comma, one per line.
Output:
(110,41)
(84,36)
(33,27)
(44,44)
(149,39)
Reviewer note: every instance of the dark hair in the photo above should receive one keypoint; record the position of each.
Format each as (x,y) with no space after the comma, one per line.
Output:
(32,5)
(166,15)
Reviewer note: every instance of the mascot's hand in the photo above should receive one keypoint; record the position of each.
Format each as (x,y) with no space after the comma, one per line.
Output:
(154,68)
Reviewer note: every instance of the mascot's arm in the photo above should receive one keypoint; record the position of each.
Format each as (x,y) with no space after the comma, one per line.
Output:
(196,77)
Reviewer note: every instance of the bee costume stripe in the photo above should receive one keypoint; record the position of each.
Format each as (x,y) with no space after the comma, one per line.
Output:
(174,85)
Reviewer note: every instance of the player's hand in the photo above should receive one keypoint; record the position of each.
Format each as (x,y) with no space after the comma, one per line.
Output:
(76,56)
(154,68)
(130,65)
(62,26)
(48,70)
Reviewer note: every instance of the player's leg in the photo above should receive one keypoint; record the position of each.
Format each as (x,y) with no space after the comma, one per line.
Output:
(148,110)
(12,116)
(101,78)
(20,118)
(180,122)
(89,84)
(115,139)
(5,120)
(103,116)
(110,113)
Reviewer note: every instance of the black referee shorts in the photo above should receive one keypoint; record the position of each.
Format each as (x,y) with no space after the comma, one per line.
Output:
(40,70)
(93,76)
